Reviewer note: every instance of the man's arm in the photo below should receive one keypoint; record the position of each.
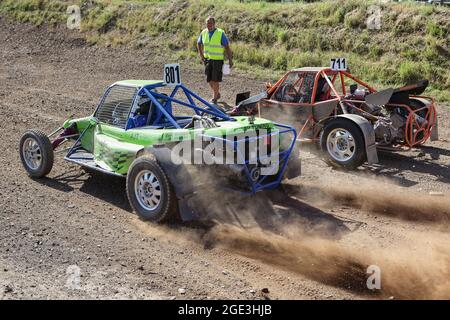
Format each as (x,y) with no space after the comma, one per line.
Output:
(200,51)
(229,55)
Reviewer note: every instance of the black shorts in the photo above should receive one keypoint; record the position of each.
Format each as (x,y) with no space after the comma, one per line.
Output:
(213,70)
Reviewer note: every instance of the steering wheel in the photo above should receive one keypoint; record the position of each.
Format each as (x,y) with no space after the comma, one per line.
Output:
(115,116)
(285,93)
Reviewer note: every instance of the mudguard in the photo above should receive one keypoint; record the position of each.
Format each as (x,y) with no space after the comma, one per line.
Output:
(368,133)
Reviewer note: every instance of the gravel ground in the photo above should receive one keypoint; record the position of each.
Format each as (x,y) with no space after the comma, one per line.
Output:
(312,240)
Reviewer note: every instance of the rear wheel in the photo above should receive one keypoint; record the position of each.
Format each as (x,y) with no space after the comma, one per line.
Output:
(149,191)
(36,153)
(343,143)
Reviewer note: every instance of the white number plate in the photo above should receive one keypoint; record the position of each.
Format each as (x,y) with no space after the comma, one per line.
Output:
(172,74)
(338,64)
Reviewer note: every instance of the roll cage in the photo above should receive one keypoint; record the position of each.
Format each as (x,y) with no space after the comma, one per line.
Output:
(415,132)
(161,111)
(166,119)
(328,75)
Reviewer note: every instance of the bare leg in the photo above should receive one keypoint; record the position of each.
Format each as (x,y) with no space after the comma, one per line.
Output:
(211,84)
(215,86)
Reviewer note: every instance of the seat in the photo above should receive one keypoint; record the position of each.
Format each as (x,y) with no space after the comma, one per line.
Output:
(141,114)
(322,90)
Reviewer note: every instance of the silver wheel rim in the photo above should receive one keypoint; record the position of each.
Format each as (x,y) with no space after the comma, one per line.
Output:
(341,145)
(147,190)
(32,153)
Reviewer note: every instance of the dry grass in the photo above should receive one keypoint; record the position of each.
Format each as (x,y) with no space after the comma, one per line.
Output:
(269,38)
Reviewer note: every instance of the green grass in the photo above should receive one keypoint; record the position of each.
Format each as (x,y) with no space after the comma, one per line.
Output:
(34,11)
(269,38)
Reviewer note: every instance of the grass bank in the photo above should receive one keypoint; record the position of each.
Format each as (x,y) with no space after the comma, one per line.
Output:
(411,43)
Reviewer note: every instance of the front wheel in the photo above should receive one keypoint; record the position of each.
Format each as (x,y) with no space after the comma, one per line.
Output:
(149,191)
(36,153)
(343,143)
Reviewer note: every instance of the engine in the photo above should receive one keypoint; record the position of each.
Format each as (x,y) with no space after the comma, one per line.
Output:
(388,124)
(389,130)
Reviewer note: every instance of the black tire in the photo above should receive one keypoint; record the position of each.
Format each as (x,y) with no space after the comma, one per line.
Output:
(358,154)
(167,207)
(44,153)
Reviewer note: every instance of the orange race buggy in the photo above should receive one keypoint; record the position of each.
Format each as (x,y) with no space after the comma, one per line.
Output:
(345,116)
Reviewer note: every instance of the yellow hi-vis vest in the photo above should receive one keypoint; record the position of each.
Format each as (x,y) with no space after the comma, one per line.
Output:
(212,48)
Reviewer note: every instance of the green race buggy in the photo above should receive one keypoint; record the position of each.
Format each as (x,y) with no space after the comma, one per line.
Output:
(136,132)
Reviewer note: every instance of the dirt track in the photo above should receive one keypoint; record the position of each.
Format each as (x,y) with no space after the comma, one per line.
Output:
(313,241)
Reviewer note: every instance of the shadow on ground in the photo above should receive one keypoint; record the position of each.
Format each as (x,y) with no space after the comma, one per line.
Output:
(110,189)
(392,164)
(270,210)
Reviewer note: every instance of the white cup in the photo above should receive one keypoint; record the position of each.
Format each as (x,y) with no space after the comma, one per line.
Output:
(226,70)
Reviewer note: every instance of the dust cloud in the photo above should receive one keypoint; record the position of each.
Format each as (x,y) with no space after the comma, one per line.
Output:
(424,274)
(378,197)
(247,226)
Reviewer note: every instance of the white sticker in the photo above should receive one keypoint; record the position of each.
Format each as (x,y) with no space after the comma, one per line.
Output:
(172,74)
(338,64)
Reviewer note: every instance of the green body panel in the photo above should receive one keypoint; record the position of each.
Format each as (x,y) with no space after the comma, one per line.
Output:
(115,149)
(113,154)
(87,140)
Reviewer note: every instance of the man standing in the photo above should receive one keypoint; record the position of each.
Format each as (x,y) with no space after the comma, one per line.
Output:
(212,44)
